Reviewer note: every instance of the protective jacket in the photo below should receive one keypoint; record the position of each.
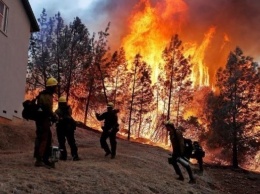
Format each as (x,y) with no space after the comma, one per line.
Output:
(177,141)
(111,120)
(45,102)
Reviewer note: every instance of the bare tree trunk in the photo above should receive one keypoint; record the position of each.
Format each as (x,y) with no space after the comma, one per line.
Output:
(116,86)
(169,101)
(140,115)
(178,110)
(88,100)
(58,64)
(103,83)
(131,107)
(235,160)
(234,126)
(70,74)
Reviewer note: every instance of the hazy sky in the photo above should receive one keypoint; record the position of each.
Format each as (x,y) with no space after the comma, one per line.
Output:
(94,13)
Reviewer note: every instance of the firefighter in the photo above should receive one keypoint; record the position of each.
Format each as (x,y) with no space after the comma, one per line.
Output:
(195,151)
(44,120)
(65,129)
(198,153)
(177,141)
(110,129)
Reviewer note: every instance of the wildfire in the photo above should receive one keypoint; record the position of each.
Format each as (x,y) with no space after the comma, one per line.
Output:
(200,75)
(151,28)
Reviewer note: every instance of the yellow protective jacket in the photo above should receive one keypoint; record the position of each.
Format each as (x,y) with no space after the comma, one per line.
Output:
(45,102)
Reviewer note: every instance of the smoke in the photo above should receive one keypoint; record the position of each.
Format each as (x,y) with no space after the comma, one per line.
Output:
(238,19)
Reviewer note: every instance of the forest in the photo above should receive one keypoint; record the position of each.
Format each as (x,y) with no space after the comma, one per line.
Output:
(224,118)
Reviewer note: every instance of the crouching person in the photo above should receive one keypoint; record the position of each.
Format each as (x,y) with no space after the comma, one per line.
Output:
(65,129)
(177,141)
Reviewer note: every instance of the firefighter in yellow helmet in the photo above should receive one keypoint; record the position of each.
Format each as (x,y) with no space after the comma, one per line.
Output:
(177,141)
(110,129)
(45,117)
(65,129)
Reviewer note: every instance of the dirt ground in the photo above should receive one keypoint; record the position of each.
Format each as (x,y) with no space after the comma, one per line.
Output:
(137,168)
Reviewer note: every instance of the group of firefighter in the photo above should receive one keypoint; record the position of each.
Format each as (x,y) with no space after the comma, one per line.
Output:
(66,125)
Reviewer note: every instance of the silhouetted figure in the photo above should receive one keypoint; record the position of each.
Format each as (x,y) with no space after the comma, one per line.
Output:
(195,151)
(177,141)
(110,129)
(65,129)
(45,117)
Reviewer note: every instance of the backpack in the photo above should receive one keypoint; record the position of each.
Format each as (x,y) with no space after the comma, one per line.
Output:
(198,150)
(30,109)
(188,147)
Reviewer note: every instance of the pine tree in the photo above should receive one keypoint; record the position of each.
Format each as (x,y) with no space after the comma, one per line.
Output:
(40,58)
(77,36)
(142,96)
(238,83)
(137,62)
(178,71)
(58,47)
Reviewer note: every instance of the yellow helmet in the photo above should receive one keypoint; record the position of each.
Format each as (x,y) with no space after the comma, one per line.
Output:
(62,99)
(51,82)
(110,104)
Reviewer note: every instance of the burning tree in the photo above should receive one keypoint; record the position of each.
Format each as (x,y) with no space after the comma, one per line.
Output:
(91,80)
(117,84)
(142,95)
(237,106)
(178,70)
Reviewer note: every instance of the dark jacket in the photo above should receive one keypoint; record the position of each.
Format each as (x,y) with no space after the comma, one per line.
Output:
(111,120)
(65,120)
(64,112)
(177,141)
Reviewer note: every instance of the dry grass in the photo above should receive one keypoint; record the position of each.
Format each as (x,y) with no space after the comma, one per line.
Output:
(137,168)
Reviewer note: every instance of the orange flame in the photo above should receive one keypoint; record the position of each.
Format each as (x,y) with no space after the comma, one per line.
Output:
(200,74)
(151,29)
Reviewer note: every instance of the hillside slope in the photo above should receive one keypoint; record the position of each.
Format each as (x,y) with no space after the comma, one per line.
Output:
(137,168)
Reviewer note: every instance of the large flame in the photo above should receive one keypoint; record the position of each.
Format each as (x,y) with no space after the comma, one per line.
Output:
(200,73)
(151,28)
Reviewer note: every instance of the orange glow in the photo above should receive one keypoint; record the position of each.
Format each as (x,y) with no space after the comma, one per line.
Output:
(151,29)
(200,74)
